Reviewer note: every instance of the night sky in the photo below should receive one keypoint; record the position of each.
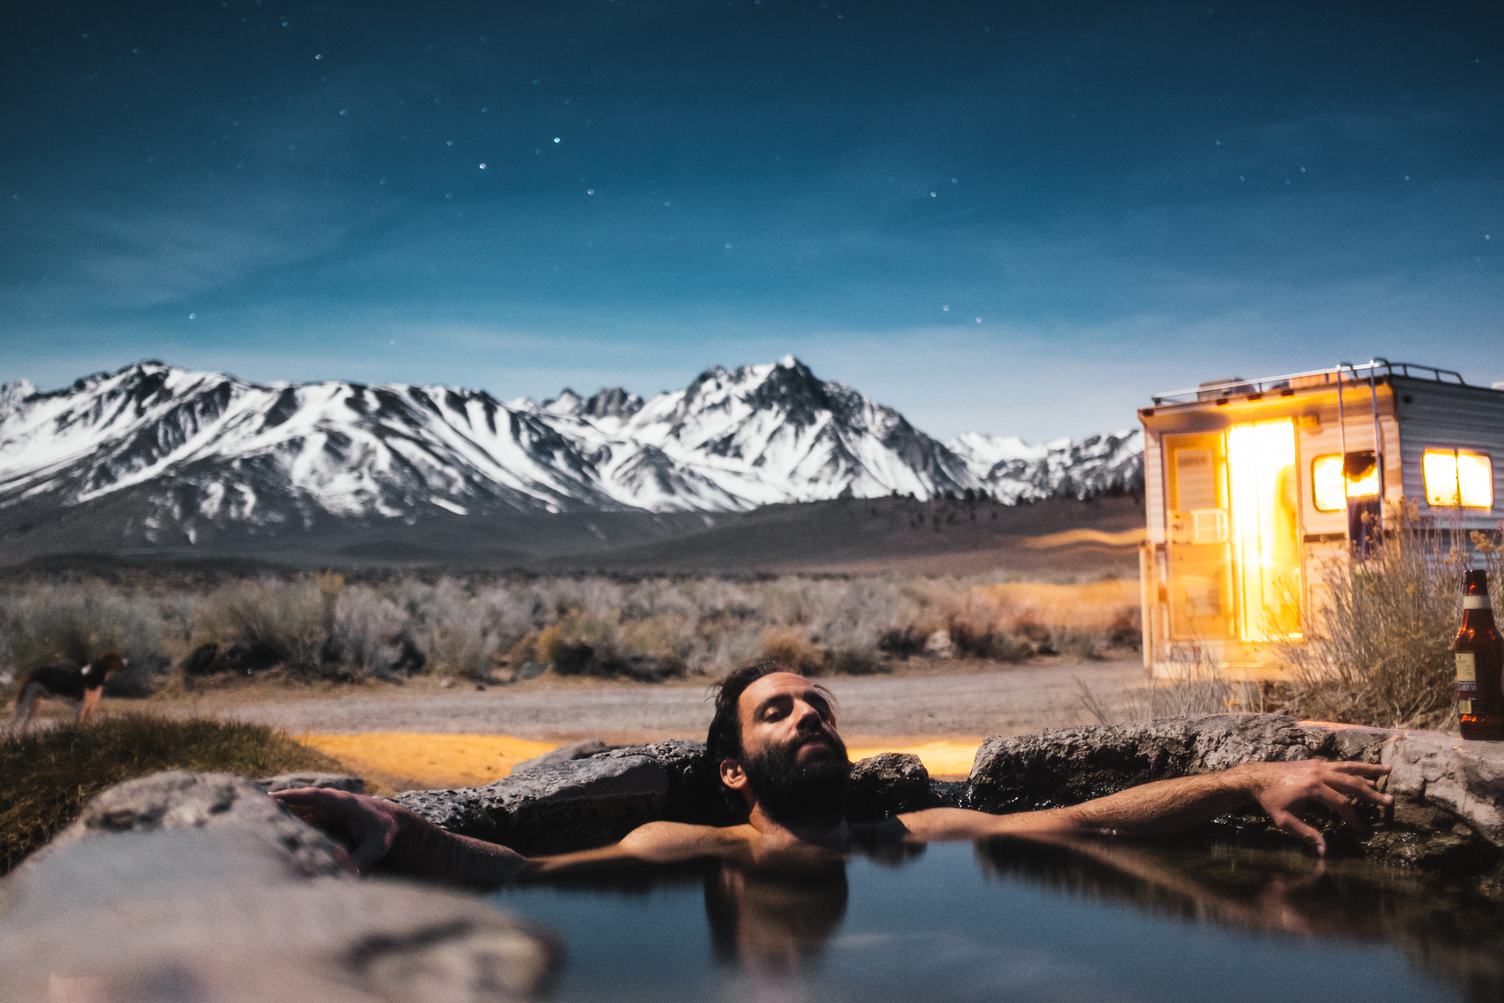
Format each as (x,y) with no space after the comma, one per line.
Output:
(1016,218)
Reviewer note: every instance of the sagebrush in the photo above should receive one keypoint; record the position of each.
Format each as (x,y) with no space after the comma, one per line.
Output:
(478,626)
(1379,648)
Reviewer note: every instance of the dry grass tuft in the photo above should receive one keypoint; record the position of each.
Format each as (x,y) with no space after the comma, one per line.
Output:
(47,775)
(1191,686)
(1380,651)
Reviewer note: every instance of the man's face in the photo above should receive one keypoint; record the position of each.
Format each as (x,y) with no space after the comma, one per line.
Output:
(791,752)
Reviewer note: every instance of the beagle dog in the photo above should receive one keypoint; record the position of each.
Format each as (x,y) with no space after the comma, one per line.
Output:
(81,687)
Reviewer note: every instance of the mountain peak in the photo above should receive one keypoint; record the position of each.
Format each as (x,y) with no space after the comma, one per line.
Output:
(568,402)
(15,392)
(612,402)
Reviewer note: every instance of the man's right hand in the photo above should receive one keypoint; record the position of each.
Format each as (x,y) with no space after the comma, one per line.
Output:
(370,826)
(378,831)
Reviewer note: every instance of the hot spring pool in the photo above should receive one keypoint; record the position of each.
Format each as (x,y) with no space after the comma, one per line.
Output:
(1021,922)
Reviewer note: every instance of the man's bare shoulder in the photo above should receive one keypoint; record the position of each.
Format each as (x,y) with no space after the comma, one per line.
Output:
(654,843)
(680,840)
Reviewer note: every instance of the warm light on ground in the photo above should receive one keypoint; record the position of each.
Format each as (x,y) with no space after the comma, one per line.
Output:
(1085,604)
(405,759)
(946,759)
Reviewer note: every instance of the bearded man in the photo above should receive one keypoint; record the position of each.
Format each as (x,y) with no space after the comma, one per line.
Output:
(774,743)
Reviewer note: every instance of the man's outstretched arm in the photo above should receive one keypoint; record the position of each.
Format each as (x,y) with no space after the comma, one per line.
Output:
(1279,789)
(402,840)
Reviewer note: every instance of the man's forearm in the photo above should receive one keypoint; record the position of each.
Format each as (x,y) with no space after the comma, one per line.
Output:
(423,849)
(1163,806)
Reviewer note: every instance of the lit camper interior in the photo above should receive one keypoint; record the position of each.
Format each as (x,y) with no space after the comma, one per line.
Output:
(1253,487)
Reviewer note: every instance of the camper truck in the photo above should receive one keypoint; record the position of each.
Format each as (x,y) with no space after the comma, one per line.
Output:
(1253,487)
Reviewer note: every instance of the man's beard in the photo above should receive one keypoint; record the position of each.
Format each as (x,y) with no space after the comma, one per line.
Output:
(795,793)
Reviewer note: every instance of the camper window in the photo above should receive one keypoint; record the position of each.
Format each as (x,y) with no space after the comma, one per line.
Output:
(1333,481)
(1458,478)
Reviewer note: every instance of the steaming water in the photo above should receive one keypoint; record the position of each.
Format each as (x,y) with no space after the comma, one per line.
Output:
(1021,922)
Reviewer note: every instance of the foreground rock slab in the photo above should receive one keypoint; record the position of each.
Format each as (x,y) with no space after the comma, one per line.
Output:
(198,886)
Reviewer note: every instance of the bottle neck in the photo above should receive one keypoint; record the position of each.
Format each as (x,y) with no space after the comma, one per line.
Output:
(1477,611)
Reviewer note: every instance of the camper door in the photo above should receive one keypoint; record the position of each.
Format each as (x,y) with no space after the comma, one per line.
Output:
(1233,533)
(1198,537)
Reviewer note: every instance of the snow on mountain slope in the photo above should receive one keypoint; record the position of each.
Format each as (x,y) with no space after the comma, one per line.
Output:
(1012,470)
(204,449)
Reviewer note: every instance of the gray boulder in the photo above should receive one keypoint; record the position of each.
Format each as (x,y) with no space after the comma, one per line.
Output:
(887,784)
(198,886)
(581,802)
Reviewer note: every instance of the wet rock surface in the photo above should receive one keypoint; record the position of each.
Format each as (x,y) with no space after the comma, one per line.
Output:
(582,802)
(888,784)
(1449,794)
(198,886)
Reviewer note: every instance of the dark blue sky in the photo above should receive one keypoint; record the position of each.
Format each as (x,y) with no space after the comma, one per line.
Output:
(1018,218)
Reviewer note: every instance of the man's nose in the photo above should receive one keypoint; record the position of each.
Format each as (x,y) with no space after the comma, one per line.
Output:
(809,718)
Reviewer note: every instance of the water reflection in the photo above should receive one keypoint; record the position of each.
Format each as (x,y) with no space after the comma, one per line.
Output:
(1447,927)
(1086,920)
(774,923)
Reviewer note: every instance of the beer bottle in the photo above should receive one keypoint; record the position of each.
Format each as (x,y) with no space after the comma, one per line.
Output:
(1479,652)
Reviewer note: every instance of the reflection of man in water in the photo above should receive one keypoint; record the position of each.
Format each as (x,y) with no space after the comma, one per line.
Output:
(774,921)
(775,746)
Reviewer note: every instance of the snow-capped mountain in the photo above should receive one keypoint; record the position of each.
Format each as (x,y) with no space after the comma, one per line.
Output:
(196,450)
(1012,470)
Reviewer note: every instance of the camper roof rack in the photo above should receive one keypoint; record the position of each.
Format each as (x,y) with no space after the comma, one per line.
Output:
(1343,372)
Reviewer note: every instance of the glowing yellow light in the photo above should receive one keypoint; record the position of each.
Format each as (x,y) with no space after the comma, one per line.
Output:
(1475,480)
(1266,552)
(1440,469)
(1332,488)
(1326,479)
(1456,477)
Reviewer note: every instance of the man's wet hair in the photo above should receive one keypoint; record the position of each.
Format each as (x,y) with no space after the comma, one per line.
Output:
(724,739)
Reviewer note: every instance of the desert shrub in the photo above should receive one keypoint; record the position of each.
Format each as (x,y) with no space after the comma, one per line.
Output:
(283,622)
(793,648)
(983,640)
(729,646)
(47,775)
(455,632)
(664,634)
(1379,651)
(902,641)
(368,630)
(70,624)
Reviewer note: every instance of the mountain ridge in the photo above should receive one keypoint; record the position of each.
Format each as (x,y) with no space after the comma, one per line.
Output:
(196,452)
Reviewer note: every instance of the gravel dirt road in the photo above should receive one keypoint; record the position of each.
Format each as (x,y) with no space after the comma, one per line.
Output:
(909,706)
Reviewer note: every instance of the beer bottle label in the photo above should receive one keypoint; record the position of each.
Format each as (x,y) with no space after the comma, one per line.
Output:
(1467,670)
(1475,602)
(1464,706)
